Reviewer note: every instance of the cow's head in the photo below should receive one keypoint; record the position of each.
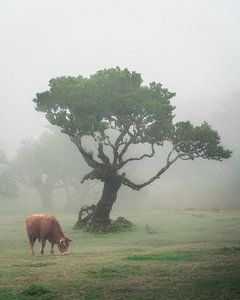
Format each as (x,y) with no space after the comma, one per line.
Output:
(63,245)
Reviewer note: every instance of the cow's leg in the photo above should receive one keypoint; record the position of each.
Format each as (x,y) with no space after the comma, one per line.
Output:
(52,245)
(32,241)
(43,241)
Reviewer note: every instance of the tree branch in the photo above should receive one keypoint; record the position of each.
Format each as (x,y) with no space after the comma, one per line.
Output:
(102,155)
(122,163)
(125,147)
(107,141)
(118,143)
(172,151)
(137,187)
(91,175)
(88,157)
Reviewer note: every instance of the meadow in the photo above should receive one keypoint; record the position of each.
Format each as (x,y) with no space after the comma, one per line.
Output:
(193,255)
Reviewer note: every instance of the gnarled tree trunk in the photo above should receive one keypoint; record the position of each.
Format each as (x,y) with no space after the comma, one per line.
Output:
(101,215)
(98,217)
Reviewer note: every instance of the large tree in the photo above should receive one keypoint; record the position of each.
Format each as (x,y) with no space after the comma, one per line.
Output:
(116,111)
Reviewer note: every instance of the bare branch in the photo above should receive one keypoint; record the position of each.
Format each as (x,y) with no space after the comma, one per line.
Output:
(119,142)
(122,163)
(91,175)
(102,155)
(172,151)
(88,157)
(126,145)
(107,141)
(137,187)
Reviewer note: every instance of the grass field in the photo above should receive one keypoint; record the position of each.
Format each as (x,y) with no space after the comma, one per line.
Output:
(190,257)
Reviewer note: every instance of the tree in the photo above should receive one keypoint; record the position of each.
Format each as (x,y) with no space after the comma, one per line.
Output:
(8,187)
(117,112)
(48,163)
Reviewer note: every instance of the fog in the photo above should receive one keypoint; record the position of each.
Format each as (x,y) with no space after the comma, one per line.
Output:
(191,47)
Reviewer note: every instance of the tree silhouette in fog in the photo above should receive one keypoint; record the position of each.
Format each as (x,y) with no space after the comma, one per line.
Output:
(117,112)
(48,163)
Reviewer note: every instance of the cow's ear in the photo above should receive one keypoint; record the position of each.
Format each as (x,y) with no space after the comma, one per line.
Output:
(61,242)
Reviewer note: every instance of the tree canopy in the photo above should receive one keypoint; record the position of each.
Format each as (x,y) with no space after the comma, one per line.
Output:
(115,109)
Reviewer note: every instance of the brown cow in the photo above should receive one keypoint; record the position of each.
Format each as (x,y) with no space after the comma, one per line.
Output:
(45,227)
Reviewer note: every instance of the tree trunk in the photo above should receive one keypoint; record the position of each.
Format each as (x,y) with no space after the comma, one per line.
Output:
(46,198)
(101,215)
(45,187)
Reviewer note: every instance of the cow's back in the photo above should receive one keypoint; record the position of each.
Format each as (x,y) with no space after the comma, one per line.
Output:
(39,225)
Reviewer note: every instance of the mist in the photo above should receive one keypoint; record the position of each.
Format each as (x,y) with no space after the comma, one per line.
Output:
(119,149)
(191,47)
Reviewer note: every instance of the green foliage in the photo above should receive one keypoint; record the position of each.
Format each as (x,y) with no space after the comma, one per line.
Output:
(111,98)
(199,141)
(116,99)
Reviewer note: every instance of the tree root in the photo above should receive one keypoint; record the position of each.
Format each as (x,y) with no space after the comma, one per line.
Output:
(86,222)
(85,216)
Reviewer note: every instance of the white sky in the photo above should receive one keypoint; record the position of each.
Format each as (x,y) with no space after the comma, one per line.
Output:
(191,46)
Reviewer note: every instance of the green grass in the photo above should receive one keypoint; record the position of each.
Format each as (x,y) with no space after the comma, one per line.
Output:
(174,257)
(188,258)
(36,291)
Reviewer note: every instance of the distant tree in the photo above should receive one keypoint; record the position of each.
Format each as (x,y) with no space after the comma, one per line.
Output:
(48,163)
(8,187)
(117,112)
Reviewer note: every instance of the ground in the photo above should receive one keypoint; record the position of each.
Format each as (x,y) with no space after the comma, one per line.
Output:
(193,255)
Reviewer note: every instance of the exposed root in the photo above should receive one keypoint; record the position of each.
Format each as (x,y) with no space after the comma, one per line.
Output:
(85,216)
(86,222)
